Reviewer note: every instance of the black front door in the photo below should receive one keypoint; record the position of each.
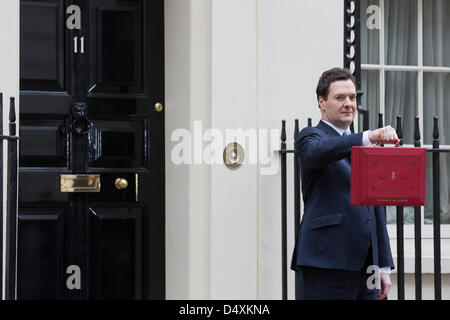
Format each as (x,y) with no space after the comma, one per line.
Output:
(91,176)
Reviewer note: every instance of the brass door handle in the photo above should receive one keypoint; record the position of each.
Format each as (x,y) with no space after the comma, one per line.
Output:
(121,183)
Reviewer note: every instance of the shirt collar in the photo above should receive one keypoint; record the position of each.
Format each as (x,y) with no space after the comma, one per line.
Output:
(338,130)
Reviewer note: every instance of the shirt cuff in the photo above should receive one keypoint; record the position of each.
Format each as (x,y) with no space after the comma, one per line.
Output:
(365,139)
(385,270)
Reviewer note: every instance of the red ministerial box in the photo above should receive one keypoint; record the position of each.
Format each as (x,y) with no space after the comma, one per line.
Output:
(388,176)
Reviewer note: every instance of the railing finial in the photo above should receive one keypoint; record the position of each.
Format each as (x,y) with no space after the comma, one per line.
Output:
(380,120)
(296,129)
(435,128)
(435,132)
(12,117)
(416,132)
(399,129)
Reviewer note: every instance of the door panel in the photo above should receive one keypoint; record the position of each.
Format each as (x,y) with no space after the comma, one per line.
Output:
(118,143)
(42,53)
(36,186)
(40,253)
(44,143)
(116,55)
(87,108)
(115,240)
(45,59)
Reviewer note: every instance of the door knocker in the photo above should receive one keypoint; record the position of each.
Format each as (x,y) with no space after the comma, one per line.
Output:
(80,123)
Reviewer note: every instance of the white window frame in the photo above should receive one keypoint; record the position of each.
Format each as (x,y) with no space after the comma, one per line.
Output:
(427,229)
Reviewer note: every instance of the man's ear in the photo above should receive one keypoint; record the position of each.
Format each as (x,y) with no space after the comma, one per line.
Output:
(321,102)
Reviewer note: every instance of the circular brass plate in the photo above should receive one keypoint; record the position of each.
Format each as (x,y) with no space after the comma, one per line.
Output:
(233,155)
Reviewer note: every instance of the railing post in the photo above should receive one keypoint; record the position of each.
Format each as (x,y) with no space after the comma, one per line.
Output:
(436,214)
(400,234)
(283,212)
(1,193)
(296,198)
(380,125)
(417,228)
(11,218)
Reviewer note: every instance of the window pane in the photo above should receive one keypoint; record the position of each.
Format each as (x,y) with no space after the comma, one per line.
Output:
(370,99)
(444,176)
(408,215)
(436,102)
(401,99)
(370,33)
(400,32)
(436,33)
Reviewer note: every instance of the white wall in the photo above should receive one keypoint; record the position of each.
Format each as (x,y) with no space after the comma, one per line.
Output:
(188,99)
(266,59)
(177,115)
(234,192)
(237,64)
(297,41)
(9,81)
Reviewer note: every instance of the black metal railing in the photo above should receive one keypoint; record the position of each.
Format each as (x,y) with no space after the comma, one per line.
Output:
(400,231)
(435,151)
(1,193)
(417,229)
(352,53)
(11,197)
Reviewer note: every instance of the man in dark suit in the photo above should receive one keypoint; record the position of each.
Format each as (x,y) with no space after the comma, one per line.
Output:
(340,248)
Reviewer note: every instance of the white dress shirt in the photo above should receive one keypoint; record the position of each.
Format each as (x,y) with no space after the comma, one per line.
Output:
(365,140)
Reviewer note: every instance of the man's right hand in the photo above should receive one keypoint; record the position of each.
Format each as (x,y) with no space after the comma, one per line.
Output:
(384,135)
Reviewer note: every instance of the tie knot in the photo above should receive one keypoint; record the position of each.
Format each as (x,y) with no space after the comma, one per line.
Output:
(345,133)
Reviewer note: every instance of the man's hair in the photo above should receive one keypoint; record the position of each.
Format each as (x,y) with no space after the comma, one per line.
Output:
(329,76)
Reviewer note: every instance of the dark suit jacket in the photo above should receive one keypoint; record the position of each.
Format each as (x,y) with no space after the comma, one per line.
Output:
(334,234)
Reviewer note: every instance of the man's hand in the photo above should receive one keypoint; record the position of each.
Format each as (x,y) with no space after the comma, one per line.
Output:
(385,282)
(384,135)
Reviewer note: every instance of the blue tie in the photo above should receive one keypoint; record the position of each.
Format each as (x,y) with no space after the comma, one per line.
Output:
(345,133)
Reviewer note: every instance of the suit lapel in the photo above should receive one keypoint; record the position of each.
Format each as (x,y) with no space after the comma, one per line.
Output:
(327,129)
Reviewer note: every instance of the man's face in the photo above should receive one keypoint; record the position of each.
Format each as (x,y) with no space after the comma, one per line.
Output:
(340,106)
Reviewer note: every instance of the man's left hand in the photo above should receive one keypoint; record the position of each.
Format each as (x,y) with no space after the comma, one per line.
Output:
(385,282)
